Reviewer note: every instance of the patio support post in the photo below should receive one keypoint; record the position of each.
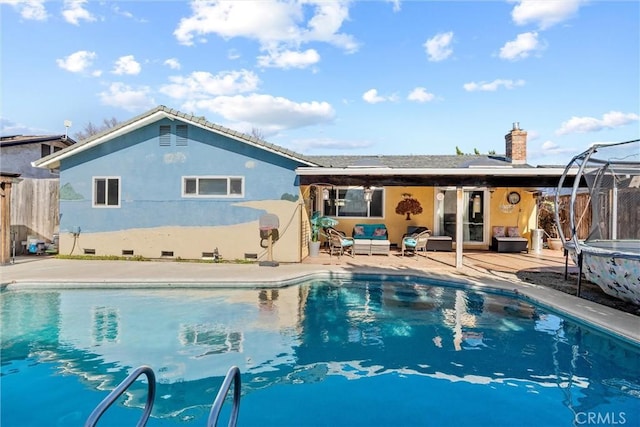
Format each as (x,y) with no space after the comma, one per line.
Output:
(5,221)
(459,226)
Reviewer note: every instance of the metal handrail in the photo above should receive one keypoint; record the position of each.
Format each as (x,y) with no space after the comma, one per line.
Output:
(122,387)
(232,375)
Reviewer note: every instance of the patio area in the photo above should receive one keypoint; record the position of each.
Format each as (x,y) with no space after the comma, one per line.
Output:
(502,265)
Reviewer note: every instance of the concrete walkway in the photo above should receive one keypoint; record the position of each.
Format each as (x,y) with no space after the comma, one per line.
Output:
(482,269)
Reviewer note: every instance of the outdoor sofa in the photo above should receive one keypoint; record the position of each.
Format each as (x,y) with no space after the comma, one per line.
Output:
(371,239)
(508,239)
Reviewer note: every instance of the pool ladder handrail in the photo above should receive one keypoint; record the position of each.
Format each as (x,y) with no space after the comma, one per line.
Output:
(120,389)
(232,375)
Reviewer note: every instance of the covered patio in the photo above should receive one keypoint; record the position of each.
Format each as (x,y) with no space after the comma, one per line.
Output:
(461,203)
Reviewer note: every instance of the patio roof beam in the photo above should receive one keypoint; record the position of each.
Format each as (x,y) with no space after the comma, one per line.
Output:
(490,180)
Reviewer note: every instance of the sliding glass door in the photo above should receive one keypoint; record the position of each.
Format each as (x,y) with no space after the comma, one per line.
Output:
(473,215)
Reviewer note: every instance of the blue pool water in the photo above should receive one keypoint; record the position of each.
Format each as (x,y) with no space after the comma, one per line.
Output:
(358,352)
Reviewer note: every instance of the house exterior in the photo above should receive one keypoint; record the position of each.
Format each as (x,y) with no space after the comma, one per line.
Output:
(170,185)
(18,151)
(34,197)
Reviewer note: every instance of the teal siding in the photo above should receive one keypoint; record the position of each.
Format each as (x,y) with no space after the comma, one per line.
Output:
(151,180)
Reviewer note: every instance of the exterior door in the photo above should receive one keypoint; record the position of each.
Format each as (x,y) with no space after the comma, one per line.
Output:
(474,215)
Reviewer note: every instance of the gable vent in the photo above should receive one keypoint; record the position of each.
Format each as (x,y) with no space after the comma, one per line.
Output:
(165,136)
(181,135)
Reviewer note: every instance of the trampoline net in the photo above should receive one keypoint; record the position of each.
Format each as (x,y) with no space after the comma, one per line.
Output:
(612,176)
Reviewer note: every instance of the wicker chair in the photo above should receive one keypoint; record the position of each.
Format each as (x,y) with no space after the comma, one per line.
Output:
(339,242)
(416,242)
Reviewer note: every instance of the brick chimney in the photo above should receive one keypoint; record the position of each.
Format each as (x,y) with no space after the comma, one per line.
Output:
(516,145)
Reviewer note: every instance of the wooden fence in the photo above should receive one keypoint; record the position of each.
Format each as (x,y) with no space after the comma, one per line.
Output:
(34,210)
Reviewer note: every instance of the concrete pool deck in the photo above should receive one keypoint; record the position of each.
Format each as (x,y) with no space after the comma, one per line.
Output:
(481,269)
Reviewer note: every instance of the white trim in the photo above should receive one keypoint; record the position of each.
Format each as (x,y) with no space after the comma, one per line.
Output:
(78,148)
(152,118)
(93,192)
(184,178)
(484,171)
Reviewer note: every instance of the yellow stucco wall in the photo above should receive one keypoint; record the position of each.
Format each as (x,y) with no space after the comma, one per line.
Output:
(522,215)
(190,242)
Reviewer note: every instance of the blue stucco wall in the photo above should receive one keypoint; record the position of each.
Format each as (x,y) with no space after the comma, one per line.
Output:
(151,181)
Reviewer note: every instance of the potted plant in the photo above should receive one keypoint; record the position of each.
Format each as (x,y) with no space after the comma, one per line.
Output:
(547,222)
(314,244)
(318,222)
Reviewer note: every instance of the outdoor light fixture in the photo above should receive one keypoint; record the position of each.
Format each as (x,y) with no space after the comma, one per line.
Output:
(325,194)
(477,205)
(368,194)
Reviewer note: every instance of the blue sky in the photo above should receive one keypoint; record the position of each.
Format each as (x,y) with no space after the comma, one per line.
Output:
(333,77)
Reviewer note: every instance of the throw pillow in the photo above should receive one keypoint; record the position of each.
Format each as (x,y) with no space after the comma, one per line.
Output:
(498,231)
(358,230)
(513,232)
(380,232)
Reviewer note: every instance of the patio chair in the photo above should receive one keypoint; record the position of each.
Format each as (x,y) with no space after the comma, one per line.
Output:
(416,242)
(339,242)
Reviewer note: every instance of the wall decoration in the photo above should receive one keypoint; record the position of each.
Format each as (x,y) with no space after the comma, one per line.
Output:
(408,205)
(513,197)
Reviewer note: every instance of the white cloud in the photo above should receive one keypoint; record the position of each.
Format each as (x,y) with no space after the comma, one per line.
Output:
(278,26)
(77,62)
(9,127)
(420,94)
(549,146)
(396,5)
(545,13)
(289,59)
(550,153)
(438,47)
(371,96)
(73,12)
(326,22)
(173,63)
(492,86)
(521,47)
(32,10)
(124,96)
(610,120)
(127,65)
(266,112)
(202,84)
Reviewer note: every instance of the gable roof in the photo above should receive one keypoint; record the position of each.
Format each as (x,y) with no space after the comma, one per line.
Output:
(158,113)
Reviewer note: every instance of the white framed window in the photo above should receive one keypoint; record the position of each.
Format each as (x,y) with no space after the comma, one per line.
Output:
(213,186)
(106,192)
(349,202)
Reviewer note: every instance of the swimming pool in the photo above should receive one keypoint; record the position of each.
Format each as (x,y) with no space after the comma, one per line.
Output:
(353,352)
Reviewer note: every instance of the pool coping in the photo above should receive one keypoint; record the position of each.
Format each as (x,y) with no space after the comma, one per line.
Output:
(91,275)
